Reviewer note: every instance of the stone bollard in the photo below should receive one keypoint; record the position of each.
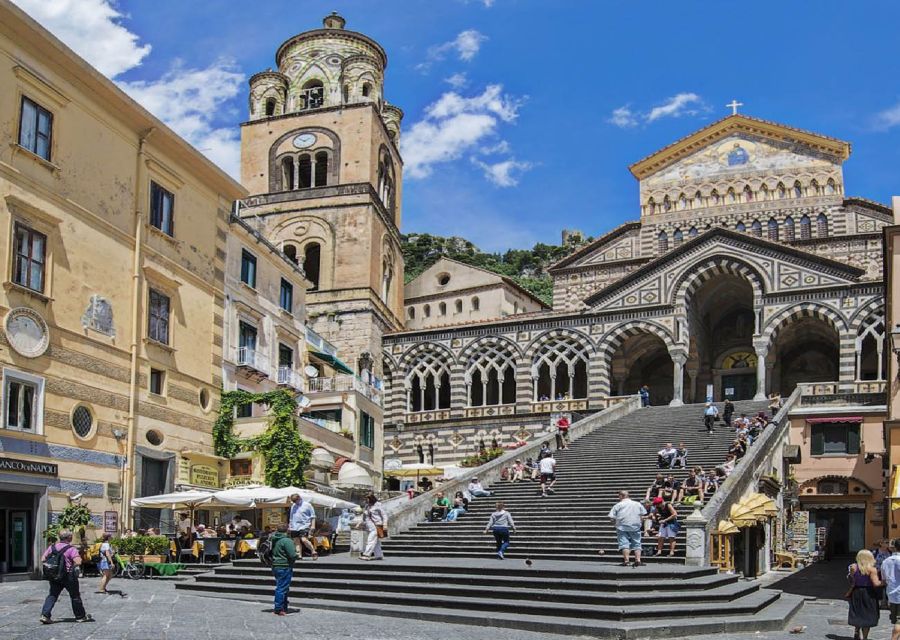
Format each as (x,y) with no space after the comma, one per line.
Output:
(695,524)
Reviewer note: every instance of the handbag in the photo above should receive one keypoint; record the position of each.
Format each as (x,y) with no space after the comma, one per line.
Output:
(381,531)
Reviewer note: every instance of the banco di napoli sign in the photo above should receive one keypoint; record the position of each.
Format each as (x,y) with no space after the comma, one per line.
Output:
(29,466)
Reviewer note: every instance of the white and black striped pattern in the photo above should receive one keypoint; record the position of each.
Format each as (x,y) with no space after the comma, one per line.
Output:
(601,379)
(703,272)
(827,314)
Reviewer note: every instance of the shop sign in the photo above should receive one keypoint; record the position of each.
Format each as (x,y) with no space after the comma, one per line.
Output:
(204,475)
(110,521)
(29,466)
(274,517)
(184,470)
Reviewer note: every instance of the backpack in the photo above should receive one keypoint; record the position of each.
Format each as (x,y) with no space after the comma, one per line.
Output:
(264,552)
(54,565)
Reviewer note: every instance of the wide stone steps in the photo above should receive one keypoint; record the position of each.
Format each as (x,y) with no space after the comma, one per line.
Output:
(448,572)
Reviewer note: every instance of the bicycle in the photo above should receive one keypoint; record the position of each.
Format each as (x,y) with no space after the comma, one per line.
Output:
(131,569)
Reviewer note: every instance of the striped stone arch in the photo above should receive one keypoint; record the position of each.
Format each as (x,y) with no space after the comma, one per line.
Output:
(847,339)
(428,360)
(491,354)
(581,338)
(557,348)
(868,327)
(696,275)
(600,379)
(413,352)
(873,307)
(392,389)
(494,341)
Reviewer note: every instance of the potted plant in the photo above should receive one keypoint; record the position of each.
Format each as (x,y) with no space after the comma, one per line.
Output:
(155,548)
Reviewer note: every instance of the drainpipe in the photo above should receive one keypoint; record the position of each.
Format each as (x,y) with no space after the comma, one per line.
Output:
(139,200)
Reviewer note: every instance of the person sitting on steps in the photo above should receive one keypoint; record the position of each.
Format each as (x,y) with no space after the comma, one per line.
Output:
(671,489)
(680,456)
(666,456)
(476,490)
(656,487)
(440,507)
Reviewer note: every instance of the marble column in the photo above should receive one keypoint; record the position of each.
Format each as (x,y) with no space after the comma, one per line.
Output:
(762,349)
(678,360)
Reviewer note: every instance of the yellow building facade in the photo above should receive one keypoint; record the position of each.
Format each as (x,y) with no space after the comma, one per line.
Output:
(112,241)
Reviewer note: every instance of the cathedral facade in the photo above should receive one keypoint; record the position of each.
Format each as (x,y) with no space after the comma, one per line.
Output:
(748,271)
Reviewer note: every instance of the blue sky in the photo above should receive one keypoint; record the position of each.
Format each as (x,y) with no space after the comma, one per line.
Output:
(523,115)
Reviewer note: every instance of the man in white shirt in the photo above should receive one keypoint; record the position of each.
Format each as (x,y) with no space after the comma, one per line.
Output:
(890,571)
(628,516)
(710,413)
(548,474)
(666,456)
(301,521)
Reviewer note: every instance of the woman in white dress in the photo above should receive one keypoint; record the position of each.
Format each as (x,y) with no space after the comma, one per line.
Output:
(375,522)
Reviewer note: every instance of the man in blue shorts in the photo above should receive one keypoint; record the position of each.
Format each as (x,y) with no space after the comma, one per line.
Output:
(628,516)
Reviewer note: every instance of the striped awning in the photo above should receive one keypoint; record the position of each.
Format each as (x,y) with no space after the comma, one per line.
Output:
(833,419)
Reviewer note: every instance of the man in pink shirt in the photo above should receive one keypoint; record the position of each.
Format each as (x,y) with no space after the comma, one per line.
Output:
(69,582)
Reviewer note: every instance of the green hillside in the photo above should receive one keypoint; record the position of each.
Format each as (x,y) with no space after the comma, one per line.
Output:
(527,267)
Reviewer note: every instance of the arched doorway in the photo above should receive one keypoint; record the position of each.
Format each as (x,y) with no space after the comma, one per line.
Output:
(805,350)
(721,325)
(643,359)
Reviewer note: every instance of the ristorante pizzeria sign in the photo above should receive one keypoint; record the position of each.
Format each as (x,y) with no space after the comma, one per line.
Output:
(29,466)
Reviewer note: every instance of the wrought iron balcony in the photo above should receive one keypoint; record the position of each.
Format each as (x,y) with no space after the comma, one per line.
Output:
(288,377)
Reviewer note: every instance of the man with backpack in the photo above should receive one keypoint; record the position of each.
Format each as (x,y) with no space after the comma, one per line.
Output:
(283,554)
(60,564)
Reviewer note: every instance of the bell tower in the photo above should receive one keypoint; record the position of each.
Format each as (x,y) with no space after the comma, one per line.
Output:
(320,156)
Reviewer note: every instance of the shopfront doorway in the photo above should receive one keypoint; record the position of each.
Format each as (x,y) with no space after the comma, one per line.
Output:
(844,530)
(738,386)
(17,529)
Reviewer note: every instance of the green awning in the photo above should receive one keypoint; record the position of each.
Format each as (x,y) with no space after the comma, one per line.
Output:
(332,360)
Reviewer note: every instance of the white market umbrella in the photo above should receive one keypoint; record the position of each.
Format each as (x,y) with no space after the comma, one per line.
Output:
(176,500)
(254,497)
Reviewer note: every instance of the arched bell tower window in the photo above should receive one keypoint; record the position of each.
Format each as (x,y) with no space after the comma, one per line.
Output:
(662,242)
(789,233)
(692,233)
(312,95)
(346,94)
(781,191)
(366,90)
(748,194)
(304,171)
(678,237)
(756,228)
(740,227)
(312,257)
(805,228)
(798,189)
(321,177)
(290,250)
(270,107)
(773,229)
(288,173)
(822,226)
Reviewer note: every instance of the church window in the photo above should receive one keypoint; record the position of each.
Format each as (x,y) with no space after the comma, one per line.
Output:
(366,90)
(764,192)
(822,226)
(459,306)
(428,382)
(387,278)
(321,168)
(442,309)
(559,369)
(270,107)
(730,196)
(773,230)
(741,227)
(312,96)
(692,233)
(346,94)
(781,191)
(805,228)
(677,236)
(829,187)
(698,200)
(814,187)
(386,182)
(290,250)
(312,256)
(426,310)
(748,194)
(789,229)
(304,172)
(682,202)
(663,242)
(491,375)
(756,228)
(667,204)
(287,174)
(411,313)
(476,304)
(714,196)
(798,190)
(651,206)
(870,348)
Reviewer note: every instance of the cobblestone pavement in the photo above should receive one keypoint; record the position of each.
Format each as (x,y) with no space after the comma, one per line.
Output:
(154,610)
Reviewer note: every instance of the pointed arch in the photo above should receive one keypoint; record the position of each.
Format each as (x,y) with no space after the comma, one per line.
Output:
(772,230)
(740,226)
(490,366)
(678,237)
(427,379)
(756,228)
(695,275)
(692,232)
(805,228)
(559,365)
(789,231)
(780,191)
(821,226)
(662,242)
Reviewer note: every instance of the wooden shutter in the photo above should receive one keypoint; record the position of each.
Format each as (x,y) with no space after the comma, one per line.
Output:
(853,438)
(817,444)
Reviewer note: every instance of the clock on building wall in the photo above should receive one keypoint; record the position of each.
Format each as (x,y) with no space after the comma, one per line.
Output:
(305,140)
(27,332)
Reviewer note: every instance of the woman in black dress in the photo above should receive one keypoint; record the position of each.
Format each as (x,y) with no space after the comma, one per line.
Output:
(863,595)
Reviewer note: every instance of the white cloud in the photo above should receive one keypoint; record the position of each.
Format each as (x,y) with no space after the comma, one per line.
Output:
(188,100)
(453,125)
(623,117)
(465,45)
(677,106)
(682,104)
(93,29)
(505,173)
(888,119)
(457,80)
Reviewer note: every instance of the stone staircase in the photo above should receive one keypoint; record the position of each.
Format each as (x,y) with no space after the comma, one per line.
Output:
(448,573)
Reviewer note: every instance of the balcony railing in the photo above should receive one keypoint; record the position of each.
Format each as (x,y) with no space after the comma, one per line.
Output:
(319,343)
(253,359)
(345,383)
(288,377)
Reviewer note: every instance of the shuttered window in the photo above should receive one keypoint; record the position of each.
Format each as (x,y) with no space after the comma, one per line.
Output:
(841,438)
